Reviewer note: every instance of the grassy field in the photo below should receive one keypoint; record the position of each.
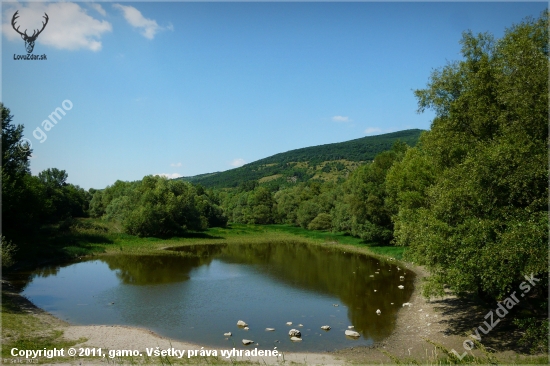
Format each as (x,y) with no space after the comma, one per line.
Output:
(93,237)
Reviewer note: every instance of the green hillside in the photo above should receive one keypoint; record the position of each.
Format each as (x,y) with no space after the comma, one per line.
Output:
(322,162)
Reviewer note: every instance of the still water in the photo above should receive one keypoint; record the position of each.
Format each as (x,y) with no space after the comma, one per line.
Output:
(200,292)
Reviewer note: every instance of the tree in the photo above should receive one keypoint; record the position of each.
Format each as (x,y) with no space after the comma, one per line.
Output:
(483,223)
(21,193)
(370,217)
(15,152)
(323,221)
(407,184)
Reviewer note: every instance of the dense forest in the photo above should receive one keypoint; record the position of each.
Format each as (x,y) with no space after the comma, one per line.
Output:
(331,162)
(469,201)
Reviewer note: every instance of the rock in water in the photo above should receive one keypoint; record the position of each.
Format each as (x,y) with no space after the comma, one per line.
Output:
(401,287)
(228,334)
(246,328)
(350,327)
(325,327)
(294,333)
(378,312)
(352,333)
(295,339)
(241,323)
(288,323)
(247,341)
(269,329)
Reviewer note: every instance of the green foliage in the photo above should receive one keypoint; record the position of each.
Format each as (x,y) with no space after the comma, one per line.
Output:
(535,334)
(62,200)
(15,153)
(28,202)
(479,217)
(292,165)
(323,221)
(366,196)
(407,184)
(8,252)
(256,206)
(156,206)
(307,211)
(15,172)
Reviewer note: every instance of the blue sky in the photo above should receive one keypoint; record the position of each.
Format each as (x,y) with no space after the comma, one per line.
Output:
(181,88)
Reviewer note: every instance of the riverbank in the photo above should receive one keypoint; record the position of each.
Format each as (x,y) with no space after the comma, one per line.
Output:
(416,325)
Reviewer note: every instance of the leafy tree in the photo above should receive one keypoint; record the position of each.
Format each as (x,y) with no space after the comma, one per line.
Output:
(483,223)
(15,153)
(370,217)
(323,221)
(407,184)
(61,200)
(15,165)
(157,206)
(261,202)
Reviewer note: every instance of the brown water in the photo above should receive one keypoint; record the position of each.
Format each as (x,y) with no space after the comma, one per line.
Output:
(202,293)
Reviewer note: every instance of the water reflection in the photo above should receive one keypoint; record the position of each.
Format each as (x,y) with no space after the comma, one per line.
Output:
(199,292)
(324,269)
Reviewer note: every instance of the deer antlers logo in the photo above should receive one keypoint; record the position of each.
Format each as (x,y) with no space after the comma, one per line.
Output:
(29,40)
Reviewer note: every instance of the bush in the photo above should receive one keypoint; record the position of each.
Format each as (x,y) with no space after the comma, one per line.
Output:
(8,252)
(536,334)
(323,221)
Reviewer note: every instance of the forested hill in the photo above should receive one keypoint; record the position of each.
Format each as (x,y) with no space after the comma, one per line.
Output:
(323,162)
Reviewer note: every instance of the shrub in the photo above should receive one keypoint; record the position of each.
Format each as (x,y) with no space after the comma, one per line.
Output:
(323,221)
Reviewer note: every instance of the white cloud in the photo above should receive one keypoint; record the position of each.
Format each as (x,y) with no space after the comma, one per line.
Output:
(238,162)
(372,130)
(149,27)
(170,176)
(98,8)
(341,119)
(69,26)
(176,165)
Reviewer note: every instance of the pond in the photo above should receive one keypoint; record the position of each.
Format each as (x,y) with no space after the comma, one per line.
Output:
(200,292)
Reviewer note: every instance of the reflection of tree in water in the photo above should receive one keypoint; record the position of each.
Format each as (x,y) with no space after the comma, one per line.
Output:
(21,279)
(199,250)
(154,270)
(321,269)
(328,270)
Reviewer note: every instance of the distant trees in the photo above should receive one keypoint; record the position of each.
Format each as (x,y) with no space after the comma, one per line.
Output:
(253,206)
(60,199)
(157,206)
(366,197)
